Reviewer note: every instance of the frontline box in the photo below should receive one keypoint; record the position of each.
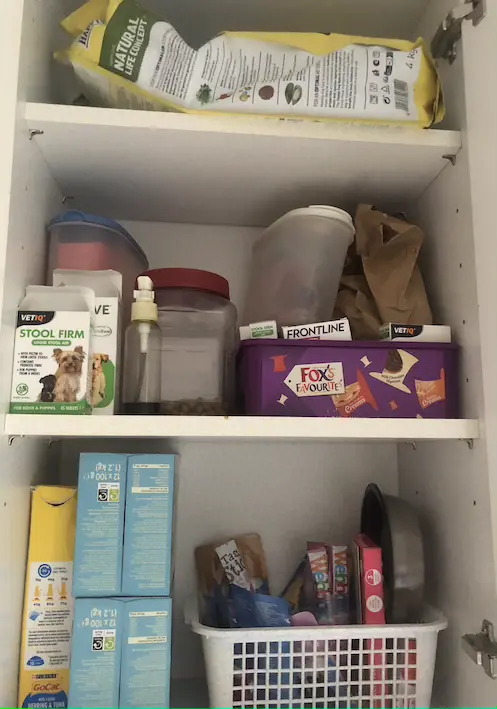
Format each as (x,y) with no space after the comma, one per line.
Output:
(330,330)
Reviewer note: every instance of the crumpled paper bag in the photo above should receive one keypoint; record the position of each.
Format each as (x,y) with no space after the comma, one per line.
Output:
(382,282)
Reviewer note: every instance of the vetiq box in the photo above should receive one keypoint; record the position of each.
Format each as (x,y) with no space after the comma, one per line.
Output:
(360,379)
(52,343)
(417,333)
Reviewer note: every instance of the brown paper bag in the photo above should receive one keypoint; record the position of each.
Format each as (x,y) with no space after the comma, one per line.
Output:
(355,302)
(390,287)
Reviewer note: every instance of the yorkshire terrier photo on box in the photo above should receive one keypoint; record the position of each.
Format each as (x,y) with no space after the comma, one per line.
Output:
(68,374)
(98,378)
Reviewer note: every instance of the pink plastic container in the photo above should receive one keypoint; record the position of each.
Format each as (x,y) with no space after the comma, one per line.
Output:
(90,243)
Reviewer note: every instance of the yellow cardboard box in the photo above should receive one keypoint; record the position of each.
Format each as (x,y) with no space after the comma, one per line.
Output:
(48,603)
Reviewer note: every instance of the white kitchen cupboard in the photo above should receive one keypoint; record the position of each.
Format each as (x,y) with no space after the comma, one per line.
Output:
(196,192)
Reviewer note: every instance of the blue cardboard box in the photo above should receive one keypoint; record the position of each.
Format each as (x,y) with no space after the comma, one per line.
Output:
(124,525)
(96,653)
(149,525)
(146,654)
(99,525)
(121,655)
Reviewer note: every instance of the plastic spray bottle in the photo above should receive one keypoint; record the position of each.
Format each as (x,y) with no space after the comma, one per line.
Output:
(142,353)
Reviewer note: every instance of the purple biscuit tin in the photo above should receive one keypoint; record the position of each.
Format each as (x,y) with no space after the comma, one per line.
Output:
(360,379)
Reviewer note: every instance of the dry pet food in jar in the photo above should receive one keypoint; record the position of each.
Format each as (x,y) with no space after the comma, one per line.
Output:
(199,341)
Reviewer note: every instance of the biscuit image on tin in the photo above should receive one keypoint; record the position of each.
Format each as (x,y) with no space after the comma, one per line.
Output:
(394,362)
(397,366)
(430,392)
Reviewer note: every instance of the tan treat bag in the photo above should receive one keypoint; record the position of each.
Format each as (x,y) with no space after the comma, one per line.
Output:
(355,301)
(391,287)
(210,571)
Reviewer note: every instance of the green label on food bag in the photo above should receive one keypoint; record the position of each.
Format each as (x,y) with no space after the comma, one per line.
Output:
(126,38)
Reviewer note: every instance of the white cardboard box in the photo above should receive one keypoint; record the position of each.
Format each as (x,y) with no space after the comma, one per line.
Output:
(415,333)
(106,340)
(329,330)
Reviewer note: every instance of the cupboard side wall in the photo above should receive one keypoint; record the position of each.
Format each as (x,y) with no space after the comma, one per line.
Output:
(447,481)
(28,196)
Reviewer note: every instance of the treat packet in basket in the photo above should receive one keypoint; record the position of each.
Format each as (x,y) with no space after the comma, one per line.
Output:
(238,563)
(126,57)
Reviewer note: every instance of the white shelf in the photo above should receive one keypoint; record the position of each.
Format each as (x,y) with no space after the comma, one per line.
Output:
(169,167)
(240,427)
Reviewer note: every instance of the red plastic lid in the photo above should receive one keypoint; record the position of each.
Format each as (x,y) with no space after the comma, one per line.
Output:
(189,278)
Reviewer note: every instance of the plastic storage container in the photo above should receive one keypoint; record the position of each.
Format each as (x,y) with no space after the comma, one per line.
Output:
(341,666)
(359,379)
(199,341)
(91,243)
(297,265)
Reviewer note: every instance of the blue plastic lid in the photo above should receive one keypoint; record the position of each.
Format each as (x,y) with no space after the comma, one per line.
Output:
(73,216)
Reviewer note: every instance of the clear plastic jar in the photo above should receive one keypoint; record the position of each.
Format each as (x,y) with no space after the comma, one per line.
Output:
(199,341)
(297,265)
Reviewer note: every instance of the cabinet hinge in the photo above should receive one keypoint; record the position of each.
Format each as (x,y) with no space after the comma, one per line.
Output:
(444,42)
(482,648)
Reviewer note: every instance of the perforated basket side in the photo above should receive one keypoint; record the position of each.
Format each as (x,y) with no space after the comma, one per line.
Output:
(348,666)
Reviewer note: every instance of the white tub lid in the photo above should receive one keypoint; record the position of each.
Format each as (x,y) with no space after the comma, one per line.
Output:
(324,210)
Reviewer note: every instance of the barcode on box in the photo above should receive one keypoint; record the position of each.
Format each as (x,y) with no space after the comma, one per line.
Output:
(401,92)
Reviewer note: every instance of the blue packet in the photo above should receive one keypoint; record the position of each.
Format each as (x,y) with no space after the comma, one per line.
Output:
(257,610)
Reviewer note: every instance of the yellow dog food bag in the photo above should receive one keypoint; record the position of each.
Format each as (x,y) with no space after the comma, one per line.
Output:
(48,603)
(126,57)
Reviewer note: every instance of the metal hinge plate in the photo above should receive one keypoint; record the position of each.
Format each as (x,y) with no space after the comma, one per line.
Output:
(482,648)
(443,45)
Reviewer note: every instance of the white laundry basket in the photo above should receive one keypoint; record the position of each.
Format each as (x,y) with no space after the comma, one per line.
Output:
(347,666)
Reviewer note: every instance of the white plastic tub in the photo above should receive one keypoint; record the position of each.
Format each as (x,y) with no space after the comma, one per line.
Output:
(343,666)
(297,265)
